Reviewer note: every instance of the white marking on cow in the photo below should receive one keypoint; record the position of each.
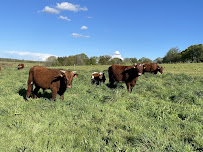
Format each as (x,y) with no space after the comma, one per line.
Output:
(31,82)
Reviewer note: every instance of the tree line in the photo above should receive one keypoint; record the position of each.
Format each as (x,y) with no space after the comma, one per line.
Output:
(194,53)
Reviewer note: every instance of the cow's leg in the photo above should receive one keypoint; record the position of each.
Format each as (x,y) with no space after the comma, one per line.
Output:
(54,93)
(62,96)
(30,85)
(35,91)
(128,86)
(132,85)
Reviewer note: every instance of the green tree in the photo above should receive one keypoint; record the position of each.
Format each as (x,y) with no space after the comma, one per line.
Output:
(104,60)
(173,55)
(93,60)
(144,60)
(158,60)
(194,53)
(50,61)
(116,61)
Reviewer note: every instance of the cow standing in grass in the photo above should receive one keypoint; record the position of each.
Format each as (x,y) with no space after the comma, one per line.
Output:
(54,79)
(127,74)
(153,68)
(20,66)
(98,78)
(0,69)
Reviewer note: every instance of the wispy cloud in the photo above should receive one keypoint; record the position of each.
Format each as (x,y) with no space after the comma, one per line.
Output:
(70,7)
(79,35)
(84,28)
(27,55)
(50,10)
(64,18)
(89,17)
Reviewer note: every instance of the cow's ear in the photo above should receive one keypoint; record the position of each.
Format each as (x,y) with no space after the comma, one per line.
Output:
(75,75)
(62,73)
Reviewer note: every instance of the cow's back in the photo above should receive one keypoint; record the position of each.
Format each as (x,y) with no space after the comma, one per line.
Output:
(44,77)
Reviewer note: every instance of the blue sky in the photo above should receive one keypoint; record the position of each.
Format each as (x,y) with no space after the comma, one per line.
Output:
(36,29)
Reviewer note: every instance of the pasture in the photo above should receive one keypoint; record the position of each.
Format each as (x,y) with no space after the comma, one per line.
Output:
(163,113)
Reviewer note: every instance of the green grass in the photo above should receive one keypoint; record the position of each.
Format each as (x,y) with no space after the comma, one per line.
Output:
(164,113)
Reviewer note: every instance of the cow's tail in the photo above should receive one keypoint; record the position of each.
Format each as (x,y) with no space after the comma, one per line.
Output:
(30,82)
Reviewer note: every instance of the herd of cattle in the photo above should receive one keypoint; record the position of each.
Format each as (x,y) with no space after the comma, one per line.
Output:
(58,80)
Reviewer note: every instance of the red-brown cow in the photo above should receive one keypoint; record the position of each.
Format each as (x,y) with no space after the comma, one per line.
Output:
(153,68)
(20,66)
(54,79)
(127,74)
(0,69)
(98,78)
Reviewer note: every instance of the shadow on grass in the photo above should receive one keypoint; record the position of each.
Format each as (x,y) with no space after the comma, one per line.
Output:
(114,86)
(22,92)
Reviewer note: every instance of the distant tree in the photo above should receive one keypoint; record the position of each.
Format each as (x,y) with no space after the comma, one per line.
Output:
(144,60)
(194,53)
(116,61)
(93,60)
(130,60)
(104,60)
(79,60)
(158,60)
(85,58)
(50,61)
(173,55)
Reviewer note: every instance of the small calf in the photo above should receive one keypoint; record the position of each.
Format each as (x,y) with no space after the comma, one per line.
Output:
(98,78)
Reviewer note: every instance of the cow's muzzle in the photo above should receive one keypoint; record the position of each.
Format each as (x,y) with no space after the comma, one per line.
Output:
(139,74)
(69,86)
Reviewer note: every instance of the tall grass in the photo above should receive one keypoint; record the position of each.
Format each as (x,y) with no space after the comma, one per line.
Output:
(164,113)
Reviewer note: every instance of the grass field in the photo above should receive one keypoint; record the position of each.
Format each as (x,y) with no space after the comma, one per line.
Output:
(164,113)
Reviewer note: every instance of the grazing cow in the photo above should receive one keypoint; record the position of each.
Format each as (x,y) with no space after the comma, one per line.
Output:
(127,74)
(153,68)
(54,79)
(20,66)
(98,78)
(0,68)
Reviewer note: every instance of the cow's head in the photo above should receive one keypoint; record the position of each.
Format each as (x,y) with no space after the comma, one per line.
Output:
(102,76)
(68,77)
(160,69)
(140,67)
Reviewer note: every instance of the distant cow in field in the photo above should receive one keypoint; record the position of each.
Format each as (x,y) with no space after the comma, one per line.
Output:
(20,66)
(127,74)
(153,68)
(98,78)
(54,79)
(0,69)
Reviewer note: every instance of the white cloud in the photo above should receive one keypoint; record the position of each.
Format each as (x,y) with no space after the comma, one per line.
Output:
(84,28)
(70,7)
(79,35)
(50,10)
(28,55)
(116,54)
(89,17)
(64,18)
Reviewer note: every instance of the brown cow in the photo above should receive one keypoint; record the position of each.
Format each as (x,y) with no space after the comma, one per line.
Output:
(98,78)
(127,74)
(153,68)
(54,79)
(20,66)
(0,69)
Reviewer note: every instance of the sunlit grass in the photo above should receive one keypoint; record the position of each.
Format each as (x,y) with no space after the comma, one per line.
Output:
(164,113)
